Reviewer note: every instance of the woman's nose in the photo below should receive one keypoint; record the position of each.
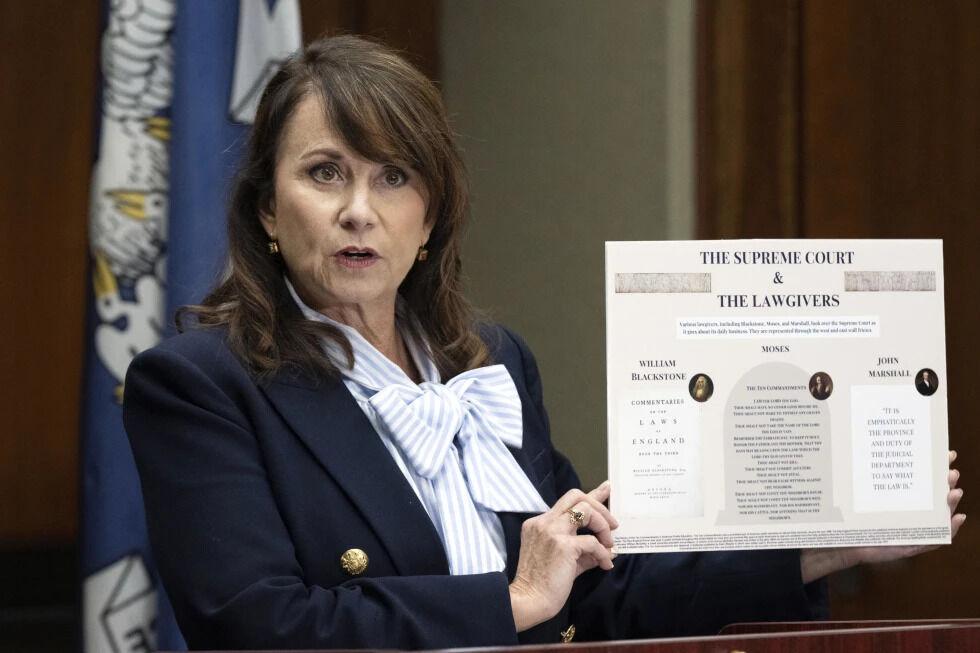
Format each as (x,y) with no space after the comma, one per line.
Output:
(358,212)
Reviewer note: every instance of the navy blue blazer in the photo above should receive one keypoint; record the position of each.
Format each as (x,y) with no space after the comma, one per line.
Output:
(253,491)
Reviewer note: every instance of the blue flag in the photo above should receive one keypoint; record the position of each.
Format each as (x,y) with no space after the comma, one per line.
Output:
(179,85)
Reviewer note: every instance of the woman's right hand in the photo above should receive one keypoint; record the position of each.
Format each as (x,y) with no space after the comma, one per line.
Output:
(553,554)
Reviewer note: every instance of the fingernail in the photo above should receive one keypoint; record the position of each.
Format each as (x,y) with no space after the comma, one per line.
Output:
(604,484)
(952,456)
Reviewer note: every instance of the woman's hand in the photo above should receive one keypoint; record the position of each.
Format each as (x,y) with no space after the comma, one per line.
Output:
(817,563)
(553,554)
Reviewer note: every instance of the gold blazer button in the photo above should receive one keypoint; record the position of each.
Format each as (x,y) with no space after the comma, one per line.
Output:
(354,561)
(568,634)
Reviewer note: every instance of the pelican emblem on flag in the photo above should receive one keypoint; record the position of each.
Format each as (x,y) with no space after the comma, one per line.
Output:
(128,218)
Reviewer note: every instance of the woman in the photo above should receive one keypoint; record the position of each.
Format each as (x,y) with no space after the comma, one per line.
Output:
(338,455)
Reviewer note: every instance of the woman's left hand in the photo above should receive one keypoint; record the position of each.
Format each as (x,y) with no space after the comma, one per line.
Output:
(817,563)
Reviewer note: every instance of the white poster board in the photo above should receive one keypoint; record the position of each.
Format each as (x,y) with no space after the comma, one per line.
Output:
(776,393)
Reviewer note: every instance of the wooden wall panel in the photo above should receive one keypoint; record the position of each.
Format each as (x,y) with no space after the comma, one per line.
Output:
(748,118)
(885,134)
(892,98)
(49,74)
(892,147)
(412,27)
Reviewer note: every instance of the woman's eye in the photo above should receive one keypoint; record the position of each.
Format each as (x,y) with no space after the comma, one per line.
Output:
(325,172)
(395,176)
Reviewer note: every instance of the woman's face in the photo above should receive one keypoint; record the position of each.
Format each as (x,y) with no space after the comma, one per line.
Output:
(348,228)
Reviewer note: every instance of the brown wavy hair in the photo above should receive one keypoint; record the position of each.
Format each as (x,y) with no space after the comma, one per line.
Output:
(386,110)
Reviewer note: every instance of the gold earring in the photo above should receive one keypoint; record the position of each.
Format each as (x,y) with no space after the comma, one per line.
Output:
(423,253)
(273,247)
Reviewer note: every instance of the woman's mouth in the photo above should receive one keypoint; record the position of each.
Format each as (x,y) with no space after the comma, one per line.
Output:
(356,257)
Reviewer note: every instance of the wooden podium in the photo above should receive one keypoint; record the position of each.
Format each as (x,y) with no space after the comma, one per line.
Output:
(919,636)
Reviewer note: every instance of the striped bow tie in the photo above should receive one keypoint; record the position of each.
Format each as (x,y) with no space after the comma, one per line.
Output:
(480,411)
(455,436)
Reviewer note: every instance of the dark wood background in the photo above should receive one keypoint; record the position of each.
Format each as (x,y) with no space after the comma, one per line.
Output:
(824,118)
(843,119)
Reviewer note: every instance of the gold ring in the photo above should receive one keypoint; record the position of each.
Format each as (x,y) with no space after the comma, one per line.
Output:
(577,517)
